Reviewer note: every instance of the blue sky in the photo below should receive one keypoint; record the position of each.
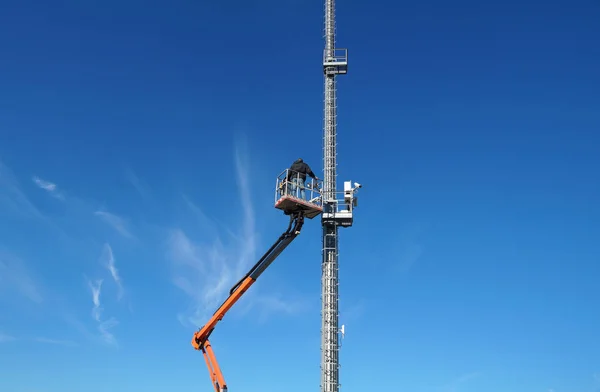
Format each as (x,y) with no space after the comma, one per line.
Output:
(139,145)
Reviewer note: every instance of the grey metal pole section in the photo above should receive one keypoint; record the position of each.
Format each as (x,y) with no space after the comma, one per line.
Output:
(333,64)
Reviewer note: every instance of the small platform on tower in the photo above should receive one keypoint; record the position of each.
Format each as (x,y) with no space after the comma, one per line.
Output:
(335,61)
(294,195)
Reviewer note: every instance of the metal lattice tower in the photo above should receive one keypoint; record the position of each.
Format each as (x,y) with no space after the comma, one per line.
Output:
(335,62)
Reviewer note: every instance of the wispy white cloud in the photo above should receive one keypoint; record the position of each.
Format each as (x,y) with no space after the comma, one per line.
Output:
(103,335)
(207,269)
(49,187)
(12,197)
(203,221)
(15,276)
(15,279)
(14,201)
(137,183)
(6,338)
(118,223)
(108,260)
(75,322)
(104,326)
(205,276)
(241,165)
(96,288)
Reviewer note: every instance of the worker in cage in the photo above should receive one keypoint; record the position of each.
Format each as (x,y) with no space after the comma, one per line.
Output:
(297,176)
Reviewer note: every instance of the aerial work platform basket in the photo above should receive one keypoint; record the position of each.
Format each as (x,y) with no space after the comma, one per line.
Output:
(291,196)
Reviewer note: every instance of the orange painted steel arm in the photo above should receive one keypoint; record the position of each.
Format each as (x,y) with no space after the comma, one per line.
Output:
(214,371)
(200,338)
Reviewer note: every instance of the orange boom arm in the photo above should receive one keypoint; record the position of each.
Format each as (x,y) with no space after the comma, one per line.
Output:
(200,339)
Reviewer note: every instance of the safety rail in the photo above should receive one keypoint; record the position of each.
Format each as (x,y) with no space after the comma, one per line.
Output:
(341,203)
(339,206)
(335,57)
(286,186)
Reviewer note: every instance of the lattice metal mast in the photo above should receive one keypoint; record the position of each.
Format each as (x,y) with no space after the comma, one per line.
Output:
(335,62)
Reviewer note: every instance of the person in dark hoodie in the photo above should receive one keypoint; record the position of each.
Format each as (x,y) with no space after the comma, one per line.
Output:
(297,175)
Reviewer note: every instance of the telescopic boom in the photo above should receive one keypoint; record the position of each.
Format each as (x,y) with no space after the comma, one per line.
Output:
(200,340)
